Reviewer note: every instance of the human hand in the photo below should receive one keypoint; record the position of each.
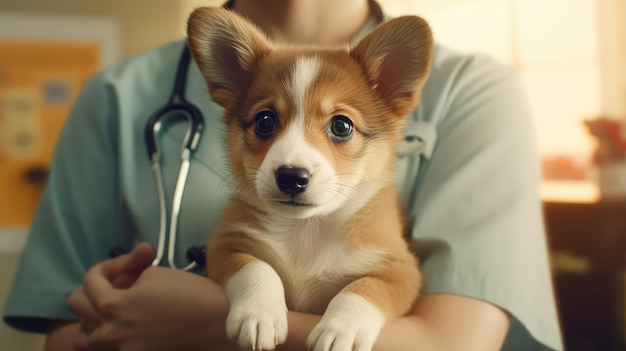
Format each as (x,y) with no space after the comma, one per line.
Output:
(128,307)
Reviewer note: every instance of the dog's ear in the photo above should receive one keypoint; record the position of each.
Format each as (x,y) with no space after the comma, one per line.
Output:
(397,56)
(226,48)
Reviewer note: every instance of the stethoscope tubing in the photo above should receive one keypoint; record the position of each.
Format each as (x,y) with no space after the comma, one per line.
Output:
(176,104)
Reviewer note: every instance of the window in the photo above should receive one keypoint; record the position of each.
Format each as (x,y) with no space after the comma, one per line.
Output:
(556,47)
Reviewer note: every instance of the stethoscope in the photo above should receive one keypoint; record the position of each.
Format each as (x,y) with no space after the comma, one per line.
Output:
(419,137)
(176,106)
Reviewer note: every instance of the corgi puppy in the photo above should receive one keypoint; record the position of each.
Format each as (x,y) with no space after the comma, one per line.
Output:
(314,224)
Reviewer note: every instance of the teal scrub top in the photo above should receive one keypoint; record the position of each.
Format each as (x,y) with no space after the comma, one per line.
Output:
(470,180)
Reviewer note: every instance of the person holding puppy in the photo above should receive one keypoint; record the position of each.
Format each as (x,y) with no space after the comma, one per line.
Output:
(471,190)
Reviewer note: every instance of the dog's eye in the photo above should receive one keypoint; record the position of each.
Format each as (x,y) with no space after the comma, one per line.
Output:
(265,124)
(341,127)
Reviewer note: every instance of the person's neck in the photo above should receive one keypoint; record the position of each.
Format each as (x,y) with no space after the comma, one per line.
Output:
(322,22)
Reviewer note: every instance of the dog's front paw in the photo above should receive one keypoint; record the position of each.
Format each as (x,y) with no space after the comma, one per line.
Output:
(350,323)
(257,318)
(261,327)
(338,336)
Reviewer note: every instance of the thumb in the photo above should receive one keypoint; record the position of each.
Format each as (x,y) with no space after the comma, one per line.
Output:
(123,270)
(99,284)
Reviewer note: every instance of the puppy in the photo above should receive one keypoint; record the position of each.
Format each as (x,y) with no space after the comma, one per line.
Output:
(315,223)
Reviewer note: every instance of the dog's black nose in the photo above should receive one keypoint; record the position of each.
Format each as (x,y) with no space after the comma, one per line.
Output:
(292,180)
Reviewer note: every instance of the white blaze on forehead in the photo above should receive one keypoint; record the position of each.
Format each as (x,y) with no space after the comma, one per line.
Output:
(292,148)
(303,74)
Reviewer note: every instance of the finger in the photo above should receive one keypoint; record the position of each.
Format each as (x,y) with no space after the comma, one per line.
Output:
(86,340)
(132,263)
(81,343)
(87,327)
(140,258)
(104,337)
(81,306)
(125,281)
(98,282)
(100,292)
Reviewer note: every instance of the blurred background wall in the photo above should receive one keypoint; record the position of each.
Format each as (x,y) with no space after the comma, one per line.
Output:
(571,56)
(143,24)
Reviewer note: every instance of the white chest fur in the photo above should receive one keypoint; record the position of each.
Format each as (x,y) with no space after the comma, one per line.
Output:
(314,259)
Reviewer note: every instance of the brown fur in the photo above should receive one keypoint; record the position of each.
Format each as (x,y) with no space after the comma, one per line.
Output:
(376,84)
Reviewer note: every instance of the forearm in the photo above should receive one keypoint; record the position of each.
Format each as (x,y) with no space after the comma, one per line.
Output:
(438,322)
(300,326)
(139,316)
(406,333)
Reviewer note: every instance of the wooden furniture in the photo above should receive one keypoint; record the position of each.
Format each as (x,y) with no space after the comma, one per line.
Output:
(591,296)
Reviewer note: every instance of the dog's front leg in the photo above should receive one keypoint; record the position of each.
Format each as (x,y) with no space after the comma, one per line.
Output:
(355,316)
(257,318)
(350,322)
